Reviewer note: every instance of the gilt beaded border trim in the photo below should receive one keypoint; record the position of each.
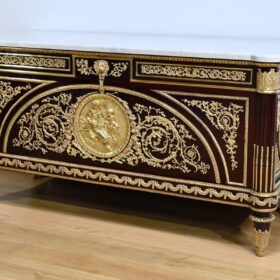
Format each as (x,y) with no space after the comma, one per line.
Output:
(262,219)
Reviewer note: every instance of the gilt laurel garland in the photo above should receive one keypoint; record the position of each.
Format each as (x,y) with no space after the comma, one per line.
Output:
(179,189)
(223,118)
(8,92)
(156,140)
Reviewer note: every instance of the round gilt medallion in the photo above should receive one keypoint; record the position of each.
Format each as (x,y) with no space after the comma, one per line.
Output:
(101,125)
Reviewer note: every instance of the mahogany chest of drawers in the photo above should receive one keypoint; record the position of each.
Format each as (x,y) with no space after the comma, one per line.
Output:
(204,129)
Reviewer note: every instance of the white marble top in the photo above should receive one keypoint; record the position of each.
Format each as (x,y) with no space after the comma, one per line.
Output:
(254,49)
(232,29)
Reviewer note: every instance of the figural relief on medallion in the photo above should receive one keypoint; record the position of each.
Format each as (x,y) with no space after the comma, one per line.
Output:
(101,125)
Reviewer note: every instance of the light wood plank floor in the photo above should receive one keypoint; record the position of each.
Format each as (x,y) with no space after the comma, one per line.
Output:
(57,229)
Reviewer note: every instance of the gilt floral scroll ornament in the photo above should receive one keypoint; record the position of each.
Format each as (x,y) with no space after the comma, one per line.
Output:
(33,61)
(116,68)
(181,71)
(223,118)
(47,127)
(8,92)
(60,124)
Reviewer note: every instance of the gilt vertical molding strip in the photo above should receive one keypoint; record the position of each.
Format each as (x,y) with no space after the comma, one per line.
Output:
(266,169)
(254,166)
(272,176)
(263,168)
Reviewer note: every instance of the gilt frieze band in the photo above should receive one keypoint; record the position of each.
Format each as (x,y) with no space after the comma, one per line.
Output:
(208,193)
(88,67)
(133,68)
(34,61)
(145,70)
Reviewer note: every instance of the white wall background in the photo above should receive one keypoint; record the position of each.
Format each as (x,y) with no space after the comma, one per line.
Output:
(252,18)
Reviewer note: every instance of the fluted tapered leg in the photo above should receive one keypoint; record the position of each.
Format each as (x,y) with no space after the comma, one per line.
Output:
(262,228)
